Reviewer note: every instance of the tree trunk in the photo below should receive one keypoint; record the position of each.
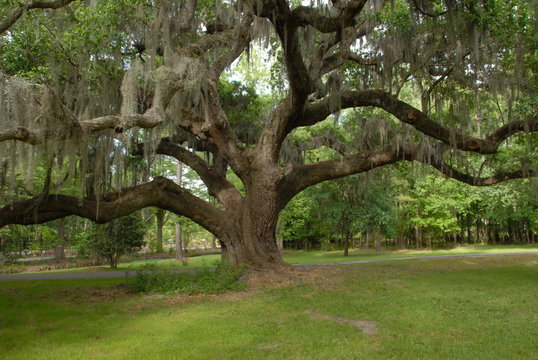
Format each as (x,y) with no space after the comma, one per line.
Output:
(180,254)
(468,224)
(112,261)
(477,230)
(418,238)
(252,240)
(250,231)
(160,224)
(511,235)
(401,239)
(527,230)
(60,248)
(346,245)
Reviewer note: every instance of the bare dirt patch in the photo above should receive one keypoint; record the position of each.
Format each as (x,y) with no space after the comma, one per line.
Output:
(89,295)
(367,327)
(294,276)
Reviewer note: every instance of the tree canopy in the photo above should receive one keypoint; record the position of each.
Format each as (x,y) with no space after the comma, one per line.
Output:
(94,93)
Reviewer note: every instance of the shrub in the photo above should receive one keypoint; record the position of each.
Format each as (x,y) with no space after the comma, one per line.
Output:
(207,281)
(7,258)
(10,267)
(118,237)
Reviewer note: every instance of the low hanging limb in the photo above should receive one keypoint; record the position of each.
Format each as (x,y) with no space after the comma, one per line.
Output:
(160,192)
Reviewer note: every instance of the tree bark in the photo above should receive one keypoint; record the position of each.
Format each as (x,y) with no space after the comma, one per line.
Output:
(477,229)
(60,248)
(180,254)
(418,238)
(469,230)
(346,245)
(377,241)
(160,214)
(249,234)
(251,239)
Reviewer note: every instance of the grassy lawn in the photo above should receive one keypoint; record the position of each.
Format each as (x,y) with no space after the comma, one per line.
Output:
(475,308)
(306,257)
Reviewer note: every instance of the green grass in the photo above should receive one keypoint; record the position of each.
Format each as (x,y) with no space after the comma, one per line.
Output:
(305,257)
(475,308)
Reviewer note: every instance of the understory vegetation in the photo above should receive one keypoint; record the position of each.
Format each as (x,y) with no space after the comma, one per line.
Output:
(476,308)
(222,278)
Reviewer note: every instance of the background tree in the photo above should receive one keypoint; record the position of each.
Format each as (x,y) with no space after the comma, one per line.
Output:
(122,83)
(119,237)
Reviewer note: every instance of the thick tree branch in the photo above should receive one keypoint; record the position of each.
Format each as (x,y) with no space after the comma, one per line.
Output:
(118,123)
(186,16)
(410,115)
(286,23)
(304,15)
(304,176)
(220,133)
(121,123)
(298,77)
(234,43)
(12,18)
(212,177)
(453,173)
(21,134)
(161,192)
(514,127)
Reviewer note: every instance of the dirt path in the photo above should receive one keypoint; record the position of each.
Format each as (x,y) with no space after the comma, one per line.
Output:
(119,274)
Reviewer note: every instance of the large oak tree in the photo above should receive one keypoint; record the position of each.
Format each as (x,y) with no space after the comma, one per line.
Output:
(124,82)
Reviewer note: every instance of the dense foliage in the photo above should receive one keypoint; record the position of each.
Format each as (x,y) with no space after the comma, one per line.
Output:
(411,208)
